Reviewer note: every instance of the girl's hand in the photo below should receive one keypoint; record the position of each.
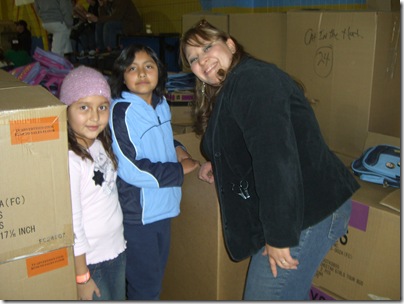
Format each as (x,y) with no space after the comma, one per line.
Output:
(279,257)
(189,165)
(181,154)
(87,290)
(206,173)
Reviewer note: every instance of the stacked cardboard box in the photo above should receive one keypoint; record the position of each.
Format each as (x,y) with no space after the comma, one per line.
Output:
(350,65)
(181,107)
(365,263)
(271,30)
(199,268)
(320,294)
(36,235)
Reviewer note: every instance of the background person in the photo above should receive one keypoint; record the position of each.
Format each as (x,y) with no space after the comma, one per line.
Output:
(17,55)
(24,36)
(284,196)
(83,32)
(57,19)
(115,17)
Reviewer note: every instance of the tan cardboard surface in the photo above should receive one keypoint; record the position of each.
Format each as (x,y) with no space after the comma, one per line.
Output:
(35,203)
(320,294)
(383,5)
(53,279)
(347,63)
(262,35)
(181,114)
(365,263)
(6,76)
(181,128)
(393,200)
(199,267)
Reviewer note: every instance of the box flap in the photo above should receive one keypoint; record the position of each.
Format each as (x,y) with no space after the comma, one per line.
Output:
(16,97)
(6,76)
(393,200)
(374,139)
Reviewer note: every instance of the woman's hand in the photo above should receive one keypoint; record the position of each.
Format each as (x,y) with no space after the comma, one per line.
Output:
(206,173)
(87,290)
(279,257)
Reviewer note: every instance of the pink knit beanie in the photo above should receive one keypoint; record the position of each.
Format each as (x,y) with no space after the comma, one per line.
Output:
(82,82)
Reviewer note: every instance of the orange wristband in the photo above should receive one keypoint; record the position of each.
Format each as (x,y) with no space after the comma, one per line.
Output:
(83,278)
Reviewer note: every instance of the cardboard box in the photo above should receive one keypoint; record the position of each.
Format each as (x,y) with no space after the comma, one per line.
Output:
(181,107)
(383,5)
(35,207)
(181,128)
(49,276)
(199,267)
(350,62)
(365,263)
(7,77)
(320,294)
(218,20)
(9,81)
(270,28)
(180,97)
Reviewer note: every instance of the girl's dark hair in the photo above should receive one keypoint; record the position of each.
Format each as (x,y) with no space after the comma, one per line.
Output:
(104,137)
(125,59)
(205,94)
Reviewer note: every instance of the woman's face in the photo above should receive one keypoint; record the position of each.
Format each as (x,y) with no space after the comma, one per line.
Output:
(206,60)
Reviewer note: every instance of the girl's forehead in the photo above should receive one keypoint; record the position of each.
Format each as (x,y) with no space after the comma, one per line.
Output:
(142,55)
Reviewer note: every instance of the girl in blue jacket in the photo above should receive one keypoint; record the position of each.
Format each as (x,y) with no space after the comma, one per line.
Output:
(151,166)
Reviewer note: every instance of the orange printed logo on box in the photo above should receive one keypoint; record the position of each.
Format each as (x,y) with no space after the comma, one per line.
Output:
(47,262)
(34,130)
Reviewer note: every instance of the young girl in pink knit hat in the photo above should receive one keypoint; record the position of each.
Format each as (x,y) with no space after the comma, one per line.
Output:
(99,245)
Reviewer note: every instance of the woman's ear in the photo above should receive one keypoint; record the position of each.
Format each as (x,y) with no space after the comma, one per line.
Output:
(231,45)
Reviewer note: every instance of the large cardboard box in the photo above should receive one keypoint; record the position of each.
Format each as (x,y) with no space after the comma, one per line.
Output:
(350,62)
(199,268)
(262,35)
(48,276)
(181,106)
(35,207)
(383,5)
(6,77)
(320,294)
(365,263)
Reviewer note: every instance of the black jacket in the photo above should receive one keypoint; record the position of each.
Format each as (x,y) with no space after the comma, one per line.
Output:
(263,136)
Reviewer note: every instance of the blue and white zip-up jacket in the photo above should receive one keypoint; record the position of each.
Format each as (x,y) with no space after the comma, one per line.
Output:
(149,175)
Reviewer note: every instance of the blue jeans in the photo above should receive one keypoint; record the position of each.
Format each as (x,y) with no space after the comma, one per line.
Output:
(110,278)
(106,34)
(147,252)
(314,244)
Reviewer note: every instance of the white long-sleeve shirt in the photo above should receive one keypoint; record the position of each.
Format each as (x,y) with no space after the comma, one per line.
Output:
(97,215)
